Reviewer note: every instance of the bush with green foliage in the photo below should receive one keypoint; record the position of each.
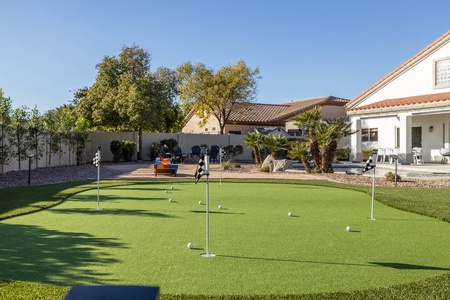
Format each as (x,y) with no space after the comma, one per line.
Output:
(367,153)
(391,177)
(233,151)
(171,143)
(342,154)
(265,169)
(230,164)
(116,148)
(128,150)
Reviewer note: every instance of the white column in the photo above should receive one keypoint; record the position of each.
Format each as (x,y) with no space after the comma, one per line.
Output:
(405,155)
(355,140)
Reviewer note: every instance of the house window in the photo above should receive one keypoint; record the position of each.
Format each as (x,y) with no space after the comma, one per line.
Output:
(235,132)
(295,132)
(416,137)
(369,134)
(442,73)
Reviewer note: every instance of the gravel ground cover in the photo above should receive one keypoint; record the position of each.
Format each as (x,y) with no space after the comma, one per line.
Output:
(113,171)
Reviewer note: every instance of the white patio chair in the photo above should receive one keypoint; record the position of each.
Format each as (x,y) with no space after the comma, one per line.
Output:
(381,157)
(417,156)
(387,153)
(444,152)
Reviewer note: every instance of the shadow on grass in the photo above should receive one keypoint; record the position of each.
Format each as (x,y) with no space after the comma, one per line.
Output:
(36,254)
(216,212)
(295,261)
(112,211)
(401,266)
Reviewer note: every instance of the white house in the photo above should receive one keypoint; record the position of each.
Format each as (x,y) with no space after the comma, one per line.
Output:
(408,108)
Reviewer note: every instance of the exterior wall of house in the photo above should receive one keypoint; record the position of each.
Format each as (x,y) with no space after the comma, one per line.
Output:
(211,127)
(417,80)
(333,112)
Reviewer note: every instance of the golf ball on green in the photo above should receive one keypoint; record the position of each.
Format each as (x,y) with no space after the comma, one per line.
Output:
(190,245)
(348,228)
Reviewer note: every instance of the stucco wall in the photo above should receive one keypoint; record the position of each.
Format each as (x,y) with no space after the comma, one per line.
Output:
(416,81)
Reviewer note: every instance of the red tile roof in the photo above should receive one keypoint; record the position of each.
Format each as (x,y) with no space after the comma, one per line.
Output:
(405,101)
(412,59)
(279,113)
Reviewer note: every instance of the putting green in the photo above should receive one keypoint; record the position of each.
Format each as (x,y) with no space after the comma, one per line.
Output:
(139,237)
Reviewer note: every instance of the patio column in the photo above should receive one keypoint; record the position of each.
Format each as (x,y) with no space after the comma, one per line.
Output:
(355,140)
(405,153)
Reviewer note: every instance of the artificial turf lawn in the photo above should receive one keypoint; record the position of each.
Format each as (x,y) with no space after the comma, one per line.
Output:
(139,237)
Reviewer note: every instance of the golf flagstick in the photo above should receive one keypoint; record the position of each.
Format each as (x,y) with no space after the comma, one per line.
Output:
(373,196)
(96,162)
(207,254)
(371,163)
(220,164)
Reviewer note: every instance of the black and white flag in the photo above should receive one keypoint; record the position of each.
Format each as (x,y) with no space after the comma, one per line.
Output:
(371,162)
(222,153)
(96,159)
(201,167)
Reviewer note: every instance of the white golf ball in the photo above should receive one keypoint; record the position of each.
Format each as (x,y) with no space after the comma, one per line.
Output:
(290,214)
(220,206)
(348,228)
(170,199)
(190,245)
(200,202)
(165,191)
(171,187)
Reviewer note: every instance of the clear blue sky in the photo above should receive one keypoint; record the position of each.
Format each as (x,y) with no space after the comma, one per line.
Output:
(304,49)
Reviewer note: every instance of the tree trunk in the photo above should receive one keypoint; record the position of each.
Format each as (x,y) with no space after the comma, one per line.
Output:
(315,155)
(305,162)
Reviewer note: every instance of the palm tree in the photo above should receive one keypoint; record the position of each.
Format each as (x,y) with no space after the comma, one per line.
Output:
(328,135)
(276,143)
(310,119)
(255,140)
(300,149)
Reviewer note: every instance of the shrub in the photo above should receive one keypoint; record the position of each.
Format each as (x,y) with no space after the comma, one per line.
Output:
(169,142)
(128,150)
(233,151)
(230,164)
(265,169)
(342,154)
(366,153)
(116,149)
(154,151)
(391,177)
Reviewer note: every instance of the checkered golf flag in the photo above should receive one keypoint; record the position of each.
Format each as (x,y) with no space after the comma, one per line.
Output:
(200,169)
(371,162)
(96,159)
(222,153)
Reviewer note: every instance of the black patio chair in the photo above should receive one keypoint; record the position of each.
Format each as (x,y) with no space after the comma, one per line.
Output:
(177,155)
(214,152)
(196,151)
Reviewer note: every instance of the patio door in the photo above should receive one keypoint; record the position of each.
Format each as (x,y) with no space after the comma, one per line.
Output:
(416,137)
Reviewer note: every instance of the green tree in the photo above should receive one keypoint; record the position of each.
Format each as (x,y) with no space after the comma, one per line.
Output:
(19,123)
(5,123)
(255,140)
(127,96)
(310,119)
(50,122)
(81,138)
(35,135)
(276,143)
(328,135)
(299,149)
(217,94)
